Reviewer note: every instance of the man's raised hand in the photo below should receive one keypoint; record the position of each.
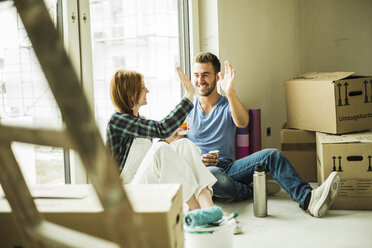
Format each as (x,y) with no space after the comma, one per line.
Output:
(227,80)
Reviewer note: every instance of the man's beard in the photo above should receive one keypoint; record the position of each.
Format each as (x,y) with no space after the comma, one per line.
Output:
(214,83)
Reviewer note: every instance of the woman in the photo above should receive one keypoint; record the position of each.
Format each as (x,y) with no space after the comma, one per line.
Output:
(129,137)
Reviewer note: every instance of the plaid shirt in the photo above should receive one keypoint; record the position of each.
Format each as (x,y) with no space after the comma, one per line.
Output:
(123,128)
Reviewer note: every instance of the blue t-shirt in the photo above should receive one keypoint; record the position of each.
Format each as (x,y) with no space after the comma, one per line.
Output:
(214,131)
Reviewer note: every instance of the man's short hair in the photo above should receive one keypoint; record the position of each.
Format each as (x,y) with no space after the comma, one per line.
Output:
(206,57)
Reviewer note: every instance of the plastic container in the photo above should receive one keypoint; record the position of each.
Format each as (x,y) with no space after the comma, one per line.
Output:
(215,236)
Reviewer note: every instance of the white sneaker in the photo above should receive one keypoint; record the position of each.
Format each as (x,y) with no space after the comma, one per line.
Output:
(323,196)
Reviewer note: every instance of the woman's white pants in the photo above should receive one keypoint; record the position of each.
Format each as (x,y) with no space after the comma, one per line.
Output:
(179,162)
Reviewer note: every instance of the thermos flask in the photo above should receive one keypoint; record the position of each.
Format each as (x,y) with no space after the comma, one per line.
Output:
(259,192)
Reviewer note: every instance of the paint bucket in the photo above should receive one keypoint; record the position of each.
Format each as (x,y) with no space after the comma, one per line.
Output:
(212,236)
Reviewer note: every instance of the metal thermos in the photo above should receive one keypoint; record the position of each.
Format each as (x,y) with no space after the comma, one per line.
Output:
(259,192)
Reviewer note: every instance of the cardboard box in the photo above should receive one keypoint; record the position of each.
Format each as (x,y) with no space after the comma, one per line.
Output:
(351,155)
(299,147)
(77,207)
(330,102)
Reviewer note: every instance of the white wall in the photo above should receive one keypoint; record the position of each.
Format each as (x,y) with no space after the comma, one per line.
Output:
(337,35)
(269,41)
(262,41)
(208,26)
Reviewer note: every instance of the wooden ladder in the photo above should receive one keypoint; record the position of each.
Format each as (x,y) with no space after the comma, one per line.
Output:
(80,133)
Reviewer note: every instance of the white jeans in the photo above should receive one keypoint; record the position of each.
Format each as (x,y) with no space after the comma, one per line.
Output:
(179,162)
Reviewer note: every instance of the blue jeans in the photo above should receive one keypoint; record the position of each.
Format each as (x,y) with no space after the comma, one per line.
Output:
(233,178)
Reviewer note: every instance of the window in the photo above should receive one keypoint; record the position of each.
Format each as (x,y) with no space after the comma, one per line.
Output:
(140,35)
(25,98)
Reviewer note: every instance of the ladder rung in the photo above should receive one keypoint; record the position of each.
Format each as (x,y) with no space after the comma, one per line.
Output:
(45,137)
(66,237)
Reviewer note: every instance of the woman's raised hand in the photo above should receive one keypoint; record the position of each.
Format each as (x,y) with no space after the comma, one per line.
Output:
(189,88)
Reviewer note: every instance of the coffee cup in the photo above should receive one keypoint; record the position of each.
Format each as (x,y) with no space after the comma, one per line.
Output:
(215,153)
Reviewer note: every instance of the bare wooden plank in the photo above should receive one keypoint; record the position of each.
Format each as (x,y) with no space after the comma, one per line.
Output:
(42,137)
(79,119)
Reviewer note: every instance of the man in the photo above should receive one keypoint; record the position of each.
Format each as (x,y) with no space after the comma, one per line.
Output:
(214,120)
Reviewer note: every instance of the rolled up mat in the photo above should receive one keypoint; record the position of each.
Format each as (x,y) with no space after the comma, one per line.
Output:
(242,152)
(254,130)
(242,145)
(242,142)
(201,217)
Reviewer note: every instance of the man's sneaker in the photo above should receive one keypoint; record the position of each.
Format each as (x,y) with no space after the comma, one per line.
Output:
(272,187)
(323,196)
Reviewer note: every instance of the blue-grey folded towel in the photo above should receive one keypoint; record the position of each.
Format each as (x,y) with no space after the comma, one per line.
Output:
(201,217)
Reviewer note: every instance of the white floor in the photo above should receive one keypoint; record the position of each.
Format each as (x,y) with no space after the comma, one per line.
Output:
(288,226)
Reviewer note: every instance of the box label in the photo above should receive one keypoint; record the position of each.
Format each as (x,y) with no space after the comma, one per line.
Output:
(355,188)
(355,117)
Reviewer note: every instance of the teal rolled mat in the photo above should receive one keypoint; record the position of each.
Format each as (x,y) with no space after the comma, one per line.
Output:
(201,217)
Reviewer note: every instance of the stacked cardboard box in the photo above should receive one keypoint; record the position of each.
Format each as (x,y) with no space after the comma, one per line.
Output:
(299,147)
(351,156)
(332,104)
